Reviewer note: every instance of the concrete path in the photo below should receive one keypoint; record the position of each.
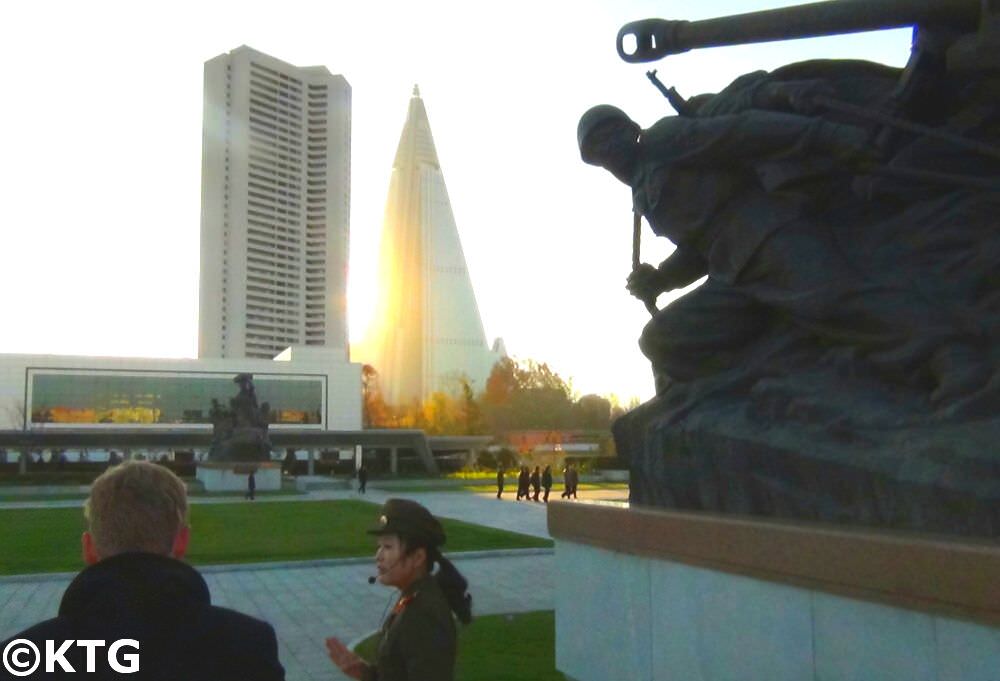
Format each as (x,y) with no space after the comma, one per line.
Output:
(307,602)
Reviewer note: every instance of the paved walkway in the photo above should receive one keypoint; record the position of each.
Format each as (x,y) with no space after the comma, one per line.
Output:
(308,601)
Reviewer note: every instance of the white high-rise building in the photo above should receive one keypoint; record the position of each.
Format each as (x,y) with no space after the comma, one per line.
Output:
(276,163)
(427,330)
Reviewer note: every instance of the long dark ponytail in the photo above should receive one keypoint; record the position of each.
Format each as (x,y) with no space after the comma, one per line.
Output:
(453,584)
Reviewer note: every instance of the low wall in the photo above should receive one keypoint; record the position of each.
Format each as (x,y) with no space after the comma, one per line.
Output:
(607,475)
(653,594)
(14,491)
(232,476)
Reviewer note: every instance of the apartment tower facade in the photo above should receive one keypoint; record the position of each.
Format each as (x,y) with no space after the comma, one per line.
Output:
(276,150)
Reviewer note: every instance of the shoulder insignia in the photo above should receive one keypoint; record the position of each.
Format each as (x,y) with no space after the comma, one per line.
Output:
(402,603)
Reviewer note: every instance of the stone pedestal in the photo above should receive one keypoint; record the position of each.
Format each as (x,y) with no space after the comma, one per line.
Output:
(231,476)
(652,594)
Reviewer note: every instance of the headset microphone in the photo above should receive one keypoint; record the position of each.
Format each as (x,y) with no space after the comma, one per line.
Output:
(374,578)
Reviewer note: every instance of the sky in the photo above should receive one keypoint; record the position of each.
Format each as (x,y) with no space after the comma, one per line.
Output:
(101,163)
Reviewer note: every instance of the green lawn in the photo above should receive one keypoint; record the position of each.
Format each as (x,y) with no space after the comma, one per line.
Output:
(48,539)
(502,647)
(82,496)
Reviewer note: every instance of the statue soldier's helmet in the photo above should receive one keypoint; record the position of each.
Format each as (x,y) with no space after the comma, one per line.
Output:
(594,118)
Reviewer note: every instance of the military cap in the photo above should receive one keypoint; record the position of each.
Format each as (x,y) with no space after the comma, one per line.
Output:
(411,521)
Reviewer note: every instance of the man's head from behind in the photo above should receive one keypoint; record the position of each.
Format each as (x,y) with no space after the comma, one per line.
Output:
(137,506)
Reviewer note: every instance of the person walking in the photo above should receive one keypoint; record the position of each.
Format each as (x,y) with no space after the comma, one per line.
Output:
(362,479)
(500,475)
(418,640)
(536,482)
(566,482)
(251,485)
(546,483)
(523,479)
(573,479)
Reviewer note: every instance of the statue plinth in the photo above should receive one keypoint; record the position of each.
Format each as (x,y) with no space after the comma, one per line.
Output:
(221,476)
(712,596)
(783,451)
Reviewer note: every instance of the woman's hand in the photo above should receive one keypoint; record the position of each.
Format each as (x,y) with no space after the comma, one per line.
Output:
(343,657)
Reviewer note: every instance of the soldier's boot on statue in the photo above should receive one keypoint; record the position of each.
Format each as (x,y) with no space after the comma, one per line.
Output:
(959,370)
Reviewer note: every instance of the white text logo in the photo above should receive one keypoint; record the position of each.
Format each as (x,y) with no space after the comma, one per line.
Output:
(21,657)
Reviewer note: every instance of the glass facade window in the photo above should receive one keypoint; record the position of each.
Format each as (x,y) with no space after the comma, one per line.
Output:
(95,397)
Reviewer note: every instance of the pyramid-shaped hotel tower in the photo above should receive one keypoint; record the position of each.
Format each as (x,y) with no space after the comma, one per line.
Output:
(426,330)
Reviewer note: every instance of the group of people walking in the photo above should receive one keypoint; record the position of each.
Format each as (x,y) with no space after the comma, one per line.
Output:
(532,483)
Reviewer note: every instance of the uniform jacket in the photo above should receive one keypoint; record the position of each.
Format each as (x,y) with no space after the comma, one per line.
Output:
(163,604)
(418,639)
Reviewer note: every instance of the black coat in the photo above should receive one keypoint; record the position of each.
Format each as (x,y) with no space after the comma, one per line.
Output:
(522,481)
(535,480)
(163,604)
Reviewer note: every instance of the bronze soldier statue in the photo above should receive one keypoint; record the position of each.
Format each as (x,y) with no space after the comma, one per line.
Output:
(839,361)
(737,196)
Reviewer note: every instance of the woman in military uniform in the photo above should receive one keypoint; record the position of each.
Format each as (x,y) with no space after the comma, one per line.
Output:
(417,641)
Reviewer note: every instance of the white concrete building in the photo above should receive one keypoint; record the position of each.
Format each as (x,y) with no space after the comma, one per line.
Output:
(276,152)
(305,388)
(427,330)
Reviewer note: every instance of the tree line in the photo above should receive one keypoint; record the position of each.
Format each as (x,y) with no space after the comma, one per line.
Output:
(518,395)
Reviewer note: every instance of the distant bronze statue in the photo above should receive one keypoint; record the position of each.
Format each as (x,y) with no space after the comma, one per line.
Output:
(240,433)
(840,359)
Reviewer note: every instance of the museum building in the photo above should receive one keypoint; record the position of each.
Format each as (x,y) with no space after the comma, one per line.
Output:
(304,387)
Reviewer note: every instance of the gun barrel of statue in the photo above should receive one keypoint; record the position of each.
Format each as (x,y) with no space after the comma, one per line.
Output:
(658,38)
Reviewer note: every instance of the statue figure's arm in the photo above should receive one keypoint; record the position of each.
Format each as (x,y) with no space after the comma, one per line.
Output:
(681,268)
(753,135)
(794,96)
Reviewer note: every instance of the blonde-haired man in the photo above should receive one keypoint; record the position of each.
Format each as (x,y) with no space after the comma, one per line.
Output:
(136,589)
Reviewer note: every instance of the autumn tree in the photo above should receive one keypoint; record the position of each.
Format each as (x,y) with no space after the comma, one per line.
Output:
(472,413)
(499,395)
(526,394)
(518,395)
(440,414)
(454,410)
(592,412)
(375,413)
